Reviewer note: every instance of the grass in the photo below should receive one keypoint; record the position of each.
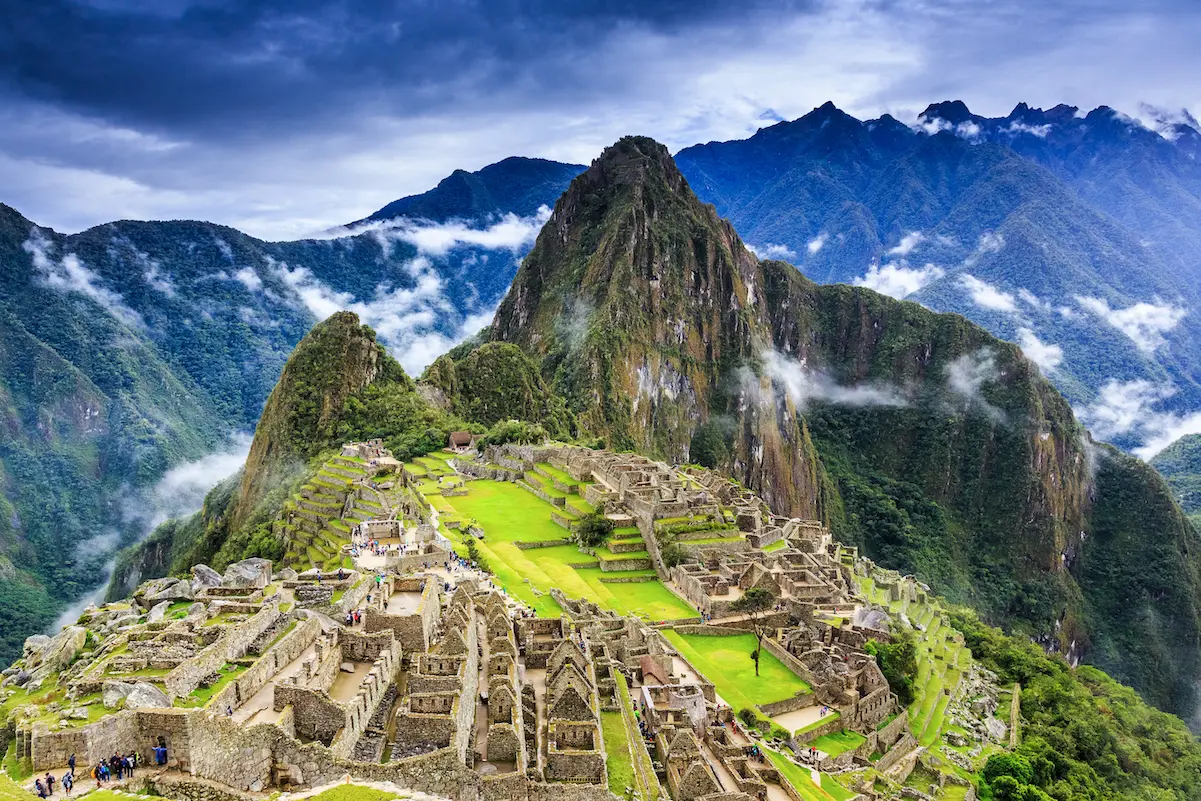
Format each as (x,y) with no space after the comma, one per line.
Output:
(644,772)
(802,781)
(726,661)
(11,791)
(619,764)
(838,743)
(509,514)
(202,695)
(355,792)
(775,546)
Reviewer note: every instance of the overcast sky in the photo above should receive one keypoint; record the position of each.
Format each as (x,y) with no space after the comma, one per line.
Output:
(283,117)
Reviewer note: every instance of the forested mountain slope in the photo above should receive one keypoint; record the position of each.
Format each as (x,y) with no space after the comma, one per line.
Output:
(937,447)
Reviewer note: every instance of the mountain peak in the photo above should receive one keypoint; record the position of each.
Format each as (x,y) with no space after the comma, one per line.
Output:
(953,111)
(634,160)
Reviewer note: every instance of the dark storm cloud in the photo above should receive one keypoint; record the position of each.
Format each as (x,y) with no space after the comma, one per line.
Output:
(235,68)
(287,116)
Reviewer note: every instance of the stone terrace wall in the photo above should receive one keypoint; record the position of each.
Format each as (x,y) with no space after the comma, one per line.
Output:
(268,665)
(232,644)
(366,701)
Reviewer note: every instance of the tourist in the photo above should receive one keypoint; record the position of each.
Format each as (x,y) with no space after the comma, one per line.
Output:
(71,763)
(49,783)
(68,784)
(131,762)
(96,775)
(229,713)
(37,783)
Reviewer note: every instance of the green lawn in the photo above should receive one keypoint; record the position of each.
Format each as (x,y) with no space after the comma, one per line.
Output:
(509,514)
(726,661)
(775,546)
(355,792)
(506,512)
(802,781)
(839,742)
(619,765)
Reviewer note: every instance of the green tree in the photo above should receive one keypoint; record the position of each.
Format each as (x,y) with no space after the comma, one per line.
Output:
(755,603)
(593,530)
(898,663)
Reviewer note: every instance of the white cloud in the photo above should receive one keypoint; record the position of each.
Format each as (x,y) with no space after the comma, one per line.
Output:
(69,274)
(158,280)
(1016,127)
(907,244)
(967,130)
(1144,323)
(770,251)
(510,232)
(1046,355)
(967,375)
(249,278)
(898,280)
(181,490)
(989,243)
(803,385)
(986,295)
(816,243)
(1034,301)
(404,318)
(1128,409)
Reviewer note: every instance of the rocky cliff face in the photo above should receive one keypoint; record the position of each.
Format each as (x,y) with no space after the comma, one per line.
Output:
(938,448)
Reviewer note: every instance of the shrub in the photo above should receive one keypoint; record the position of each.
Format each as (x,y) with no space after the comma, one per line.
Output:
(593,530)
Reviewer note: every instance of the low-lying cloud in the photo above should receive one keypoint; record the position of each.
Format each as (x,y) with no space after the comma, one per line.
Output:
(966,377)
(1144,323)
(510,232)
(69,274)
(418,323)
(816,244)
(1129,409)
(898,280)
(908,244)
(1046,355)
(770,251)
(986,295)
(805,385)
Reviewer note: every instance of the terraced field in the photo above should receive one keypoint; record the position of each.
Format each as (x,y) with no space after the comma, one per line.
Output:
(940,664)
(512,516)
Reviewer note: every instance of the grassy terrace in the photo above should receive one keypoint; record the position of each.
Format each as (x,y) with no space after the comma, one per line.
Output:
(619,765)
(509,515)
(802,781)
(726,661)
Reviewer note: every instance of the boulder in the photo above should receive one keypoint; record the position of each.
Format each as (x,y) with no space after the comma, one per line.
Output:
(288,574)
(164,589)
(198,608)
(158,612)
(59,652)
(146,696)
(114,692)
(78,714)
(348,667)
(18,679)
(36,644)
(204,576)
(253,572)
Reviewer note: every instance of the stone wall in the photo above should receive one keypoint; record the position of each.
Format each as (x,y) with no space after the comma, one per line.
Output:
(185,788)
(232,644)
(268,665)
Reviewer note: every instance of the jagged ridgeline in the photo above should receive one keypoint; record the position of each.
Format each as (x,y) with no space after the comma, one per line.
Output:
(338,385)
(936,447)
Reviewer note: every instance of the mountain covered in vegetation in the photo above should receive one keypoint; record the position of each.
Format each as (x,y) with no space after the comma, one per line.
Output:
(133,347)
(938,448)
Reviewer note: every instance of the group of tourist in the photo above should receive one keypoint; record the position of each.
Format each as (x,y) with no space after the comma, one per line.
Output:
(45,787)
(753,752)
(116,767)
(355,616)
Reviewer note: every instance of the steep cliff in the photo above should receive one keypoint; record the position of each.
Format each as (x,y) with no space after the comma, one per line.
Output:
(938,448)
